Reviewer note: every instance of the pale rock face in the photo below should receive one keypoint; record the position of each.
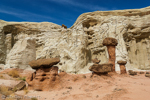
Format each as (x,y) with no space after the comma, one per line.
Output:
(22,53)
(78,45)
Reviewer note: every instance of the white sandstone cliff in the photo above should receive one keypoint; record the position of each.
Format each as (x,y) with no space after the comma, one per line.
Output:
(76,46)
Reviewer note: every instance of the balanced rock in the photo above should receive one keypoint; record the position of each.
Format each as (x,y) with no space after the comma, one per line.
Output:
(101,68)
(96,61)
(110,42)
(44,62)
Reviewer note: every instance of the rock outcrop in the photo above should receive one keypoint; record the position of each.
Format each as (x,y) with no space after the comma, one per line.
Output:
(78,45)
(45,76)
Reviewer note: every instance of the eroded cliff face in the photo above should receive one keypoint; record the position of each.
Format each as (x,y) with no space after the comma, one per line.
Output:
(78,45)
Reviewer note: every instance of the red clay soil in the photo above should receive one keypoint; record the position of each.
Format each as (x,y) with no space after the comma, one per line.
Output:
(84,87)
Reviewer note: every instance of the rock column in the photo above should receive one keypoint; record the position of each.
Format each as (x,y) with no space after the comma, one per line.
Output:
(111,44)
(122,66)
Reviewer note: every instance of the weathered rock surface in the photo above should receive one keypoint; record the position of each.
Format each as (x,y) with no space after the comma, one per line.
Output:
(43,79)
(78,45)
(11,83)
(101,68)
(21,54)
(44,62)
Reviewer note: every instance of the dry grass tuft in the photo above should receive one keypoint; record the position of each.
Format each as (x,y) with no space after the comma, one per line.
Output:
(14,73)
(26,90)
(5,90)
(34,98)
(10,98)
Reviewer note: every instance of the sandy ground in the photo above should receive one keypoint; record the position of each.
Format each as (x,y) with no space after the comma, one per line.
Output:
(85,87)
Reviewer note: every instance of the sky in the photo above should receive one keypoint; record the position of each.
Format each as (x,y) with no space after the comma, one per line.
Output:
(60,11)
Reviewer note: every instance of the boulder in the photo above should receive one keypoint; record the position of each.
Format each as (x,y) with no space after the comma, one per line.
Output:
(131,72)
(110,42)
(122,62)
(101,68)
(21,85)
(147,75)
(44,62)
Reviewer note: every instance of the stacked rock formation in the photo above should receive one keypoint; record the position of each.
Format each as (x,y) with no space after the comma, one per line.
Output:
(122,66)
(99,69)
(111,43)
(46,74)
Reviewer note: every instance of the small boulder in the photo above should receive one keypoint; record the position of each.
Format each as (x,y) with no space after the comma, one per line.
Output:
(46,63)
(131,72)
(20,86)
(147,75)
(64,26)
(101,68)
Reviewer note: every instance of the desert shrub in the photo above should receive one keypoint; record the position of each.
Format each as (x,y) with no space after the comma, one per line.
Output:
(5,90)
(10,98)
(22,78)
(34,98)
(13,73)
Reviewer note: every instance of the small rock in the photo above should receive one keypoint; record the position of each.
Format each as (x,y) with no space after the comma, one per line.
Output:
(131,72)
(96,61)
(147,75)
(69,87)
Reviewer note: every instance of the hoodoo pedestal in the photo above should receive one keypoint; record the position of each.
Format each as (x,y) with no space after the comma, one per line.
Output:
(46,74)
(111,44)
(122,67)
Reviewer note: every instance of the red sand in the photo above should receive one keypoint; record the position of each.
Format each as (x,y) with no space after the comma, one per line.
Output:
(83,87)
